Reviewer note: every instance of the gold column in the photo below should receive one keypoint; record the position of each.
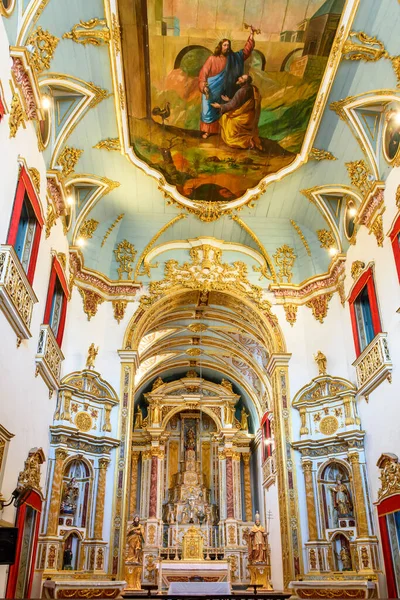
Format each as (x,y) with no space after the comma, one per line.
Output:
(100,497)
(248,504)
(56,488)
(361,512)
(134,480)
(310,500)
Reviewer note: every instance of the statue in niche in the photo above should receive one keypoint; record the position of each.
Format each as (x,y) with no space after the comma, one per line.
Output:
(244,420)
(67,559)
(69,498)
(341,499)
(321,361)
(91,357)
(138,419)
(190,439)
(257,542)
(135,539)
(345,557)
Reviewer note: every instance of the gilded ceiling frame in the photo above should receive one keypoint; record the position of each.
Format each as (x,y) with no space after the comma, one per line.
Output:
(7,12)
(208,211)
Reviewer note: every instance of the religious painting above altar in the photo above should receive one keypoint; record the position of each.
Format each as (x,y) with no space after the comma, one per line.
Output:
(220,95)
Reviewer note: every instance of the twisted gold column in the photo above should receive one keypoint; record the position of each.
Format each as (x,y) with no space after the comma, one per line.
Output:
(56,487)
(134,480)
(310,500)
(361,512)
(100,497)
(248,504)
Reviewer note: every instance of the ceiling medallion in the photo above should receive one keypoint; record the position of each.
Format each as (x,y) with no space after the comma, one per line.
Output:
(214,121)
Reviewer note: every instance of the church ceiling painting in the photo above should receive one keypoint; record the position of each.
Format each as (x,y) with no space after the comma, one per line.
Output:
(220,95)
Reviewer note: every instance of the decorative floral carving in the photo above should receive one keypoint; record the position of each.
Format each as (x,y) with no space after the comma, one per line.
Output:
(398,197)
(390,475)
(284,259)
(94,32)
(119,307)
(326,238)
(121,96)
(356,268)
(291,313)
(21,78)
(44,45)
(109,144)
(109,230)
(319,306)
(91,301)
(301,236)
(360,175)
(88,228)
(369,49)
(17,115)
(377,229)
(51,218)
(55,192)
(318,155)
(108,289)
(30,476)
(35,176)
(68,159)
(125,256)
(302,292)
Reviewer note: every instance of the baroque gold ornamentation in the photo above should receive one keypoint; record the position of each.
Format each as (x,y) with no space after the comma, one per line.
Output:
(398,197)
(318,155)
(376,228)
(125,256)
(30,476)
(356,268)
(49,358)
(329,425)
(119,307)
(198,328)
(321,361)
(291,313)
(319,306)
(373,361)
(326,238)
(68,159)
(17,116)
(88,228)
(369,49)
(84,421)
(109,230)
(359,175)
(91,301)
(121,92)
(99,94)
(94,32)
(207,272)
(268,271)
(143,257)
(44,44)
(116,34)
(194,351)
(51,218)
(13,286)
(284,259)
(390,475)
(109,144)
(35,176)
(301,236)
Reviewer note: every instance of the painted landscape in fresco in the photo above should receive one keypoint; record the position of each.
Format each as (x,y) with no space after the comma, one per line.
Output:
(220,92)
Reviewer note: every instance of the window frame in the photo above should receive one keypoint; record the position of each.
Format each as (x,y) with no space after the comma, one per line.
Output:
(365,280)
(25,187)
(56,274)
(265,430)
(396,244)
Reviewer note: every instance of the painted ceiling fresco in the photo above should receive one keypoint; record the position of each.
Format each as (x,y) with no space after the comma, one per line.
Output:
(220,94)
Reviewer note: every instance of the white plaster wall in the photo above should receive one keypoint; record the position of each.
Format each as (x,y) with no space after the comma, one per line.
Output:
(271,499)
(25,407)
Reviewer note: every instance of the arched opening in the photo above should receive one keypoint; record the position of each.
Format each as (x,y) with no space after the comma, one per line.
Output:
(293,55)
(256,60)
(71,551)
(191,58)
(337,498)
(75,494)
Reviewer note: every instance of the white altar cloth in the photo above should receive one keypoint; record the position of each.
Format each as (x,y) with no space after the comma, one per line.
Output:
(199,588)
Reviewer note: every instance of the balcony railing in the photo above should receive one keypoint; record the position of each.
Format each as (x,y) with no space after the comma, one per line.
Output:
(373,365)
(49,358)
(269,470)
(16,294)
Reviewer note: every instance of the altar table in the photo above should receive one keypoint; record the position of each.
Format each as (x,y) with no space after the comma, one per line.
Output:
(199,588)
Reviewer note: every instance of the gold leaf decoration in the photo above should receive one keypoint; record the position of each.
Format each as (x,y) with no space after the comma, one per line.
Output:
(291,313)
(360,175)
(17,116)
(94,32)
(112,226)
(301,236)
(108,144)
(91,302)
(44,45)
(68,159)
(356,268)
(284,259)
(326,238)
(318,155)
(119,307)
(116,34)
(88,228)
(125,255)
(319,306)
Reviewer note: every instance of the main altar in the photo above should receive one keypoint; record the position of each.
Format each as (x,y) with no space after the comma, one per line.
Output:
(190,486)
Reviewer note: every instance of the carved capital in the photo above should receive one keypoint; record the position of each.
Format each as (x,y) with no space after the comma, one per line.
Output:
(103,463)
(307,466)
(61,454)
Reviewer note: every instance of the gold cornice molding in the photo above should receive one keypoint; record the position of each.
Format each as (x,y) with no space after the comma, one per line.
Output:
(91,280)
(299,294)
(211,211)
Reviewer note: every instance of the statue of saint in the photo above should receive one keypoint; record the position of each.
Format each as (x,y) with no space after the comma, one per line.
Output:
(229,414)
(244,420)
(190,439)
(135,539)
(321,361)
(138,419)
(91,357)
(341,498)
(155,412)
(257,543)
(345,557)
(69,498)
